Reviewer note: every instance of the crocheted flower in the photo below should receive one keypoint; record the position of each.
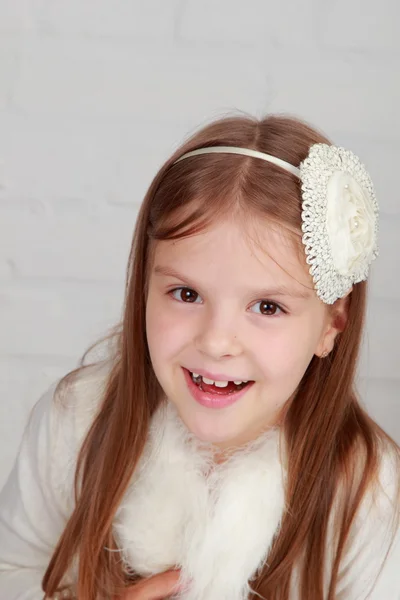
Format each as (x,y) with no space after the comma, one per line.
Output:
(340,220)
(350,223)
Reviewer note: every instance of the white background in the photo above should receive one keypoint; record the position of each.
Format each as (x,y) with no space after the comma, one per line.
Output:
(95,94)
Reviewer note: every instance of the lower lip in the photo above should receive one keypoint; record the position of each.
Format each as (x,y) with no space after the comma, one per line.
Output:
(213,400)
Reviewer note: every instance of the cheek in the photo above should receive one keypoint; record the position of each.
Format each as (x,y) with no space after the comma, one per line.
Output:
(165,329)
(286,352)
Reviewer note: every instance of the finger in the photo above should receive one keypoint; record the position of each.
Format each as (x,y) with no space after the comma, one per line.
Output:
(157,587)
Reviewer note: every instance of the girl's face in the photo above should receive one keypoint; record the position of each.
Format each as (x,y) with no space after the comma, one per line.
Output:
(222,306)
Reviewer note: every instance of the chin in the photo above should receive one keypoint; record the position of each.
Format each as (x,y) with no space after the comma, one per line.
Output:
(210,428)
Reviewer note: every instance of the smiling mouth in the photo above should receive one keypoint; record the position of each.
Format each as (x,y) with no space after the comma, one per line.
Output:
(218,387)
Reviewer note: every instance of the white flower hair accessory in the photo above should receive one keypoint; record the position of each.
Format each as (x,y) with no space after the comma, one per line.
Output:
(340,220)
(340,214)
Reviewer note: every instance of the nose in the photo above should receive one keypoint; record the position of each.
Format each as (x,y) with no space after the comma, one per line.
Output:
(218,338)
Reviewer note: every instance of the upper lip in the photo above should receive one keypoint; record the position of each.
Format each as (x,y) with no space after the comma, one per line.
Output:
(216,376)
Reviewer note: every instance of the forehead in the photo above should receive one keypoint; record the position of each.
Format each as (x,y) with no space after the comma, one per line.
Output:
(253,253)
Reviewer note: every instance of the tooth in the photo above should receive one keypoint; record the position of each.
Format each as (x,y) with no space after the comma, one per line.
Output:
(220,384)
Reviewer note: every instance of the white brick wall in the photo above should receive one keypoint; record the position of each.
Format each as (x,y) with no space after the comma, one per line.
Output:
(94,94)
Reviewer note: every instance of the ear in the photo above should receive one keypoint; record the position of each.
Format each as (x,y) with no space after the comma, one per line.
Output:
(336,321)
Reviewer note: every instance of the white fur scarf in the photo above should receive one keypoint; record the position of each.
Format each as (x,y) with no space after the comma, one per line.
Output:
(214,522)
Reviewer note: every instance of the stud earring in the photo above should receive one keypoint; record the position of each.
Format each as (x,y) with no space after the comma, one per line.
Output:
(324,354)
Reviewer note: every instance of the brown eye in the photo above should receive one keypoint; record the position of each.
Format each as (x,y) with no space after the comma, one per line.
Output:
(267,308)
(185,295)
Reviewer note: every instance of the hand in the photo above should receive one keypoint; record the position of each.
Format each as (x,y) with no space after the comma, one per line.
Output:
(157,587)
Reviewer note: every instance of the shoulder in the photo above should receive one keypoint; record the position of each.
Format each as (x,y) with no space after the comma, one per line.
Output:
(381,499)
(38,497)
(58,424)
(372,552)
(74,401)
(71,402)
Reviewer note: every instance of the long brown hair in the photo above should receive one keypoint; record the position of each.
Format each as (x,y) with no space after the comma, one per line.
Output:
(331,442)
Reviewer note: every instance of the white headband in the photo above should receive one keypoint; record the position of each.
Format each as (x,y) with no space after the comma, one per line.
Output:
(247,152)
(340,214)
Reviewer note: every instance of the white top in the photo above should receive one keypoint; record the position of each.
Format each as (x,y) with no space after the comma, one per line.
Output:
(38,498)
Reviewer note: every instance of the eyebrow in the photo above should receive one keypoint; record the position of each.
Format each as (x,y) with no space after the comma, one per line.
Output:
(263,293)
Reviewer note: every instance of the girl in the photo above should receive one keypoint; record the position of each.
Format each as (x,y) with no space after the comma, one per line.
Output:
(220,452)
